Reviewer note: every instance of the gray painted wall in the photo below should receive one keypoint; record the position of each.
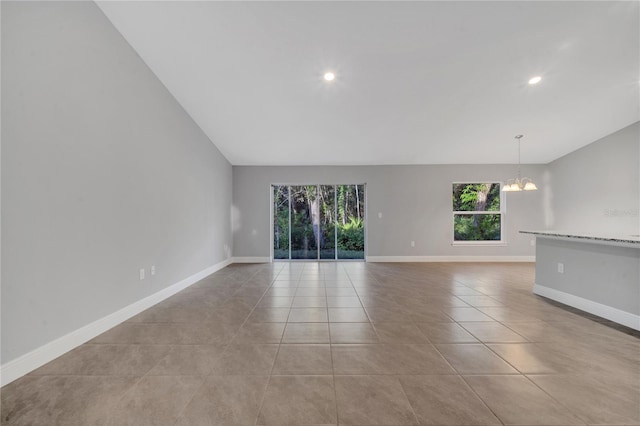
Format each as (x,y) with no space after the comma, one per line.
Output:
(103,173)
(415,202)
(597,188)
(601,273)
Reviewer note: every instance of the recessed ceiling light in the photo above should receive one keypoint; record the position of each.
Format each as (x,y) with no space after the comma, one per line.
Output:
(535,80)
(329,76)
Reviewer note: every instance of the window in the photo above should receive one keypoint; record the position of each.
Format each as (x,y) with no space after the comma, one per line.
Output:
(477,213)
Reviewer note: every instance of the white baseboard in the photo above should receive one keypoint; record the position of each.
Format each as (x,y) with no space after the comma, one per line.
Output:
(451,258)
(28,362)
(616,315)
(256,259)
(260,259)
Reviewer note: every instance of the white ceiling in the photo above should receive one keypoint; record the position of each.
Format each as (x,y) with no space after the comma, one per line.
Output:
(417,82)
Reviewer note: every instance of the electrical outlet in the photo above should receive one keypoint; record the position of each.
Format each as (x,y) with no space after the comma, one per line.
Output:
(560,268)
(413,243)
(141,274)
(532,243)
(153,269)
(379,215)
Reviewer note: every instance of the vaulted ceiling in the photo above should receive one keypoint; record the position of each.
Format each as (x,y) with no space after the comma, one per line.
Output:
(416,82)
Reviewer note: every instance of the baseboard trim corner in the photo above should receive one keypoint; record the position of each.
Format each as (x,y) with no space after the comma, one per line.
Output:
(451,258)
(608,312)
(36,358)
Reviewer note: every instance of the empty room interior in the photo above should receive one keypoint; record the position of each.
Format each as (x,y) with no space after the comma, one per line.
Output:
(320,213)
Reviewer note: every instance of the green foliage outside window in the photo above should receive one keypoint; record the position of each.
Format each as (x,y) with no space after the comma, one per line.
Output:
(351,235)
(476,197)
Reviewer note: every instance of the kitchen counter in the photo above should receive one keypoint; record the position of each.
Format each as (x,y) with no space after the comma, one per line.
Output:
(620,240)
(599,274)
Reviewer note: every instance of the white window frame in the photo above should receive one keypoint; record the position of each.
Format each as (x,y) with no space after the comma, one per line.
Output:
(502,212)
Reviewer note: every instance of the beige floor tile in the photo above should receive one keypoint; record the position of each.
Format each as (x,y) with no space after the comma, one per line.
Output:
(467,314)
(452,301)
(446,400)
(595,399)
(445,332)
(306,333)
(266,332)
(388,359)
(399,332)
(285,284)
(188,360)
(311,292)
(311,284)
(538,331)
(474,359)
(62,400)
(275,302)
(106,360)
(299,400)
(343,302)
(281,292)
(352,332)
(250,292)
(269,315)
(347,315)
(155,400)
(480,301)
(372,400)
(225,401)
(228,315)
(331,283)
(309,302)
(386,314)
(167,334)
(465,291)
(492,332)
(192,312)
(429,314)
(246,360)
(308,315)
(241,302)
(535,358)
(505,314)
(369,300)
(515,400)
(303,359)
(341,292)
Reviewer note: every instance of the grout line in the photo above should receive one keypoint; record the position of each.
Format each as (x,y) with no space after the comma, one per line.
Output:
(333,371)
(481,400)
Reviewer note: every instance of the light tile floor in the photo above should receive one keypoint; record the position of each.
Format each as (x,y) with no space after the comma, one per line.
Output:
(344,343)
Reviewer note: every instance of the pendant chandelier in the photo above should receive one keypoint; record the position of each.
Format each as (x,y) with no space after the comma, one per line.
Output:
(519,183)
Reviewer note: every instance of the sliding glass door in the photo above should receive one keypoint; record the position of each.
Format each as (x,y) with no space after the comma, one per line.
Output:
(350,216)
(281,220)
(318,222)
(304,222)
(327,222)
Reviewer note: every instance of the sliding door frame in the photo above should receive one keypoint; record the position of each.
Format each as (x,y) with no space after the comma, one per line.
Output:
(335,228)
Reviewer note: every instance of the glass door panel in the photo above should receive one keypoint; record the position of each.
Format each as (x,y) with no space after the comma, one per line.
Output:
(327,194)
(350,223)
(305,222)
(280,222)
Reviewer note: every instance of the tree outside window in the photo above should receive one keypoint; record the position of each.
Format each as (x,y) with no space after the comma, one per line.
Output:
(477,212)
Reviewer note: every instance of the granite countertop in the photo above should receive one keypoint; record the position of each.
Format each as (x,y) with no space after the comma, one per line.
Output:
(624,239)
